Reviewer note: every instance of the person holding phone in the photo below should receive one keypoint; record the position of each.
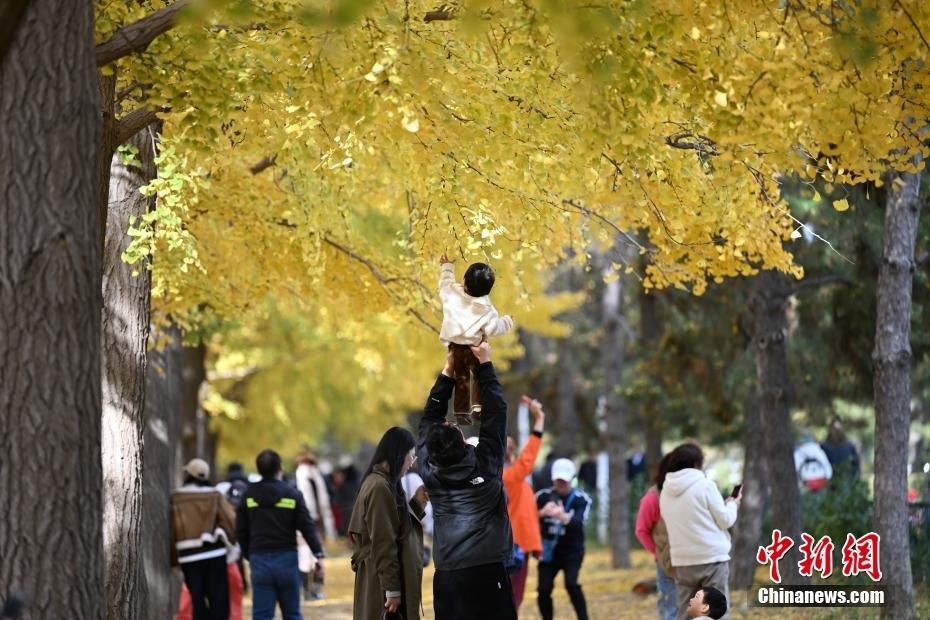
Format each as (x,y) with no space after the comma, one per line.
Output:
(698,520)
(563,511)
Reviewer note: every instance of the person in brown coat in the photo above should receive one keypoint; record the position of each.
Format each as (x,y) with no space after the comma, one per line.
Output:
(387,557)
(202,525)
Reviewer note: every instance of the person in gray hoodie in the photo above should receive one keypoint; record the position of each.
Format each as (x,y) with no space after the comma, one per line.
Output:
(697,519)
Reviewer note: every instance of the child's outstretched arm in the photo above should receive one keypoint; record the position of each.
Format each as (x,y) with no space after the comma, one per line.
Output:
(446,273)
(498,325)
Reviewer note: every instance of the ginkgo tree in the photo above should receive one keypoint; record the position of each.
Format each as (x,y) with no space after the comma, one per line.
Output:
(326,157)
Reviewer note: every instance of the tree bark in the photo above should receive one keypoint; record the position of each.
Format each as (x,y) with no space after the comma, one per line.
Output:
(892,384)
(651,414)
(615,413)
(124,339)
(197,440)
(768,306)
(50,477)
(137,36)
(565,442)
(11,14)
(748,529)
(162,427)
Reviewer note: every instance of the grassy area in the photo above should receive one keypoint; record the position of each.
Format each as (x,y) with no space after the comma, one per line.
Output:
(609,594)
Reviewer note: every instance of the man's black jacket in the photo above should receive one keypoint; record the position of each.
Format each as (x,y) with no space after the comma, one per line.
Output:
(471,526)
(269,517)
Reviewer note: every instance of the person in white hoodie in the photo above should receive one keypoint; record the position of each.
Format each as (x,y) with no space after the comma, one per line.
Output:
(312,486)
(697,519)
(468,318)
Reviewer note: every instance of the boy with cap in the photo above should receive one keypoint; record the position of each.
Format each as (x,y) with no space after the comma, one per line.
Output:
(563,511)
(202,525)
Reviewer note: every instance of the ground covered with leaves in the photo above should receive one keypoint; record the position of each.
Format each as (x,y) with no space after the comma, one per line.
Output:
(609,592)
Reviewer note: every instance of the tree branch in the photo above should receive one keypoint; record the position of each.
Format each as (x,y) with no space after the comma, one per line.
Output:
(263,165)
(914,24)
(134,122)
(689,140)
(820,281)
(137,36)
(11,14)
(440,15)
(378,275)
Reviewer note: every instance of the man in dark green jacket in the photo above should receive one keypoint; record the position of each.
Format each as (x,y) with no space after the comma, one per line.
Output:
(267,521)
(471,530)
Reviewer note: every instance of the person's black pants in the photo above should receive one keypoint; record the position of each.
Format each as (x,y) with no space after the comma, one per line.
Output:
(209,586)
(547,573)
(471,593)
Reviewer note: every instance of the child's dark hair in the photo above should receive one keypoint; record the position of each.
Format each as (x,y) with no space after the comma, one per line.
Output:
(715,601)
(479,279)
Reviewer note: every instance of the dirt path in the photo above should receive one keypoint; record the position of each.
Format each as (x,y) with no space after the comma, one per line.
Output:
(608,591)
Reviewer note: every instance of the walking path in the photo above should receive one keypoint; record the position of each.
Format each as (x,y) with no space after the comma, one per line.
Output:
(608,591)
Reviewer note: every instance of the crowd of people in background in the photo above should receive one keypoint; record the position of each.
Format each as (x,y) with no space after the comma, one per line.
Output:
(468,506)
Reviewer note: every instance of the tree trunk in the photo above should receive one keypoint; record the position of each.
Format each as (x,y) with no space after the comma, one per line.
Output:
(106,85)
(892,383)
(124,339)
(615,413)
(768,306)
(50,478)
(162,426)
(748,529)
(193,431)
(565,442)
(649,337)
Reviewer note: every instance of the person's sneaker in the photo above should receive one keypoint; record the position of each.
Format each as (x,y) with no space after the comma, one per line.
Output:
(463,419)
(476,413)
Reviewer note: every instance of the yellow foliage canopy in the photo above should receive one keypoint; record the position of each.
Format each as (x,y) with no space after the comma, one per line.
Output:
(328,165)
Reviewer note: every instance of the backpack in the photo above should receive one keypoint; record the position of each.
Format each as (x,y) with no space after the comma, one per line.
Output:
(235,492)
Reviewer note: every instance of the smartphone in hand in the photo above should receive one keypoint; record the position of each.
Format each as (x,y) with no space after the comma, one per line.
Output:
(736,491)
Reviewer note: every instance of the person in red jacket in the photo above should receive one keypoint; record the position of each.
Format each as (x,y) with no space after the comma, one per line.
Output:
(521,501)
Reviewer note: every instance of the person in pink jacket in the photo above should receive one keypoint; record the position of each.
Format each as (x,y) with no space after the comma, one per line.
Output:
(649,528)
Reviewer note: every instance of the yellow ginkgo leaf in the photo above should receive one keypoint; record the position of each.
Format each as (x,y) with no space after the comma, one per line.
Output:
(720,98)
(840,205)
(411,124)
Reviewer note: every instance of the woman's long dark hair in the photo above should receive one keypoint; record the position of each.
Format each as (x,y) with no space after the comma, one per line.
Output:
(661,472)
(393,449)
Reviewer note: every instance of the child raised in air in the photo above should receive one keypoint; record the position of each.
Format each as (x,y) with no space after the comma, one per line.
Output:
(468,317)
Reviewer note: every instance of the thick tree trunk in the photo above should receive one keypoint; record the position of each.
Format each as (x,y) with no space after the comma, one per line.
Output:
(565,442)
(649,337)
(768,305)
(162,427)
(194,431)
(615,413)
(50,477)
(892,358)
(124,339)
(748,529)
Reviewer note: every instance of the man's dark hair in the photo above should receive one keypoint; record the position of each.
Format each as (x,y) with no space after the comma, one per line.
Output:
(715,601)
(268,463)
(685,456)
(445,445)
(479,279)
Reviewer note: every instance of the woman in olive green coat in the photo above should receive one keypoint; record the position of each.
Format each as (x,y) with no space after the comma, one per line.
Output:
(387,557)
